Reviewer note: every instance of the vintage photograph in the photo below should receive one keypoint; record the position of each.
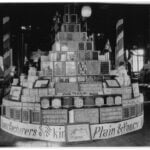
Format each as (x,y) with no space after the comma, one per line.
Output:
(74,74)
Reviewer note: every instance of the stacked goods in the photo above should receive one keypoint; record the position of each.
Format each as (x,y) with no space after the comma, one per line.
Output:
(12,109)
(110,114)
(129,112)
(74,85)
(66,88)
(55,116)
(90,115)
(28,110)
(99,101)
(67,102)
(92,88)
(78,102)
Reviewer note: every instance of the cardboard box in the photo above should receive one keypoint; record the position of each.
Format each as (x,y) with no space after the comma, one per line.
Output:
(56,103)
(127,93)
(36,116)
(59,68)
(82,68)
(30,99)
(90,115)
(93,67)
(51,91)
(78,102)
(26,91)
(129,112)
(71,68)
(26,116)
(55,116)
(93,88)
(17,114)
(34,92)
(43,91)
(99,101)
(110,114)
(66,88)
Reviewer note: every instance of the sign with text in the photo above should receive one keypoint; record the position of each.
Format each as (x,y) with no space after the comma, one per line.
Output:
(109,130)
(78,132)
(41,132)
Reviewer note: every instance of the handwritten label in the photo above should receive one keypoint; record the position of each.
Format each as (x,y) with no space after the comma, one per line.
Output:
(105,131)
(41,132)
(78,132)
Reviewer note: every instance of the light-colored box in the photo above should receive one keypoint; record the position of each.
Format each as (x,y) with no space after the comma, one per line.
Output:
(110,114)
(43,91)
(90,115)
(55,116)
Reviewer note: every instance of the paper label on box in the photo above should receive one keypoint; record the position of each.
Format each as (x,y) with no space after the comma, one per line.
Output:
(70,68)
(55,116)
(59,68)
(78,132)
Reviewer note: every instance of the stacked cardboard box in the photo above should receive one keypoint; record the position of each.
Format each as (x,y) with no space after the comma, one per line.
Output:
(90,115)
(110,114)
(55,116)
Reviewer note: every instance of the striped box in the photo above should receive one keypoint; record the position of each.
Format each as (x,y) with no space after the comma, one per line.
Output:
(36,116)
(129,112)
(25,116)
(110,114)
(55,116)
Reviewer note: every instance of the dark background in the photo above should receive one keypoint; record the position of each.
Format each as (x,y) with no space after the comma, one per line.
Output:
(103,20)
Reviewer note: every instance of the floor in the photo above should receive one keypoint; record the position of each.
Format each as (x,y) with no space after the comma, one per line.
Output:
(137,138)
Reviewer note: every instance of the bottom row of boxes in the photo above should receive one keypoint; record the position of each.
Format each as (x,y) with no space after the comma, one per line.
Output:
(63,116)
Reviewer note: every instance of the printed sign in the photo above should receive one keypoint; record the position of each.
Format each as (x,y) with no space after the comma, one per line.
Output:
(41,132)
(78,132)
(105,131)
(15,92)
(135,87)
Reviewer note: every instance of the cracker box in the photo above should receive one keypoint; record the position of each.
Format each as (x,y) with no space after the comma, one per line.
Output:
(90,115)
(55,116)
(35,116)
(78,102)
(66,88)
(59,68)
(43,91)
(71,68)
(99,101)
(93,67)
(110,114)
(26,116)
(30,99)
(129,112)
(127,93)
(34,92)
(26,91)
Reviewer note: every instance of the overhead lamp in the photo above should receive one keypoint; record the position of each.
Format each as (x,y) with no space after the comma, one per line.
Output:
(86,11)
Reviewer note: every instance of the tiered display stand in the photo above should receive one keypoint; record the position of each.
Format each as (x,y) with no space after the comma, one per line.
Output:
(73,97)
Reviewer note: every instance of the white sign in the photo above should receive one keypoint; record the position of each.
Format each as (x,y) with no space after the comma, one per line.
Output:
(105,131)
(78,132)
(135,87)
(41,132)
